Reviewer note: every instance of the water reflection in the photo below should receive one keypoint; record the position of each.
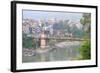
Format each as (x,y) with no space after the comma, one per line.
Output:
(60,52)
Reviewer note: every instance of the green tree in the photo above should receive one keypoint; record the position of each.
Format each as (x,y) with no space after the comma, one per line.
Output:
(28,42)
(85,50)
(86,21)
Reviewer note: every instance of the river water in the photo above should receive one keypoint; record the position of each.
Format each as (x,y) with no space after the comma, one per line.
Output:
(65,51)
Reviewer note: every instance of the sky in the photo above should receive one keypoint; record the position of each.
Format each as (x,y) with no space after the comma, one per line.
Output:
(37,15)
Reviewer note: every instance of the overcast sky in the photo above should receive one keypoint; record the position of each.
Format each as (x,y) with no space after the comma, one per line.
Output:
(51,15)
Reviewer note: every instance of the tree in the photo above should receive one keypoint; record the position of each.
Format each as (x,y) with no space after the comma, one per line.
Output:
(28,42)
(85,50)
(86,21)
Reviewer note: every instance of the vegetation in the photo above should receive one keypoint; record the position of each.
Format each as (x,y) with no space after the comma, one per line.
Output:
(28,42)
(85,49)
(86,21)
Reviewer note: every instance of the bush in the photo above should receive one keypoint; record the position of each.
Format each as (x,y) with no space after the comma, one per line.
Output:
(85,50)
(28,42)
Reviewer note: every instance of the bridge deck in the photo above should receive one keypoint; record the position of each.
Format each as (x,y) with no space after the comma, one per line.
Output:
(65,38)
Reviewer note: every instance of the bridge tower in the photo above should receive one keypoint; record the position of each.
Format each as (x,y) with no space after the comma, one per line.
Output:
(43,40)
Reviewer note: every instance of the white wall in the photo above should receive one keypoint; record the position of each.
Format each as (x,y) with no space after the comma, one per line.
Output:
(5,36)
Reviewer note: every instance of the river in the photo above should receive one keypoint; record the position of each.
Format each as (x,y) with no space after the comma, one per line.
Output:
(65,51)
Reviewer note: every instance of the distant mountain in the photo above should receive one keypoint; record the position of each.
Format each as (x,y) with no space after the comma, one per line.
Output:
(75,23)
(62,26)
(76,28)
(57,26)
